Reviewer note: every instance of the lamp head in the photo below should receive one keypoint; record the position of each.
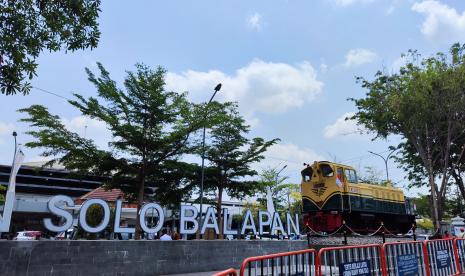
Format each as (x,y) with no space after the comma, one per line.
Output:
(15,134)
(218,87)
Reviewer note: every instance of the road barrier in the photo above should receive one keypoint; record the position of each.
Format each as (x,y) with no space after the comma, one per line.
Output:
(442,257)
(302,262)
(460,246)
(227,272)
(405,258)
(351,260)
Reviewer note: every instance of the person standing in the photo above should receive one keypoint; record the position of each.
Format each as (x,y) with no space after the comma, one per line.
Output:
(165,236)
(462,233)
(176,235)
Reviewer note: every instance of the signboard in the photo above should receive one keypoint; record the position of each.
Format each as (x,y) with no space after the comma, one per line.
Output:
(407,265)
(360,268)
(442,258)
(189,224)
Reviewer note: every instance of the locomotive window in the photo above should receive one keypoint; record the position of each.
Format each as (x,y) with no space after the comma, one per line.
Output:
(351,176)
(307,174)
(326,170)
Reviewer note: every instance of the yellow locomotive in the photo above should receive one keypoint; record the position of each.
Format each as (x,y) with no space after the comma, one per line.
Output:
(332,194)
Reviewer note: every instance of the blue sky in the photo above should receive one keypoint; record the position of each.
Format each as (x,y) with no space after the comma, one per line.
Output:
(291,65)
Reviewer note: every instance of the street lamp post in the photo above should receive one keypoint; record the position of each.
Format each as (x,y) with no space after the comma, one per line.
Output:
(277,175)
(14,158)
(217,88)
(385,159)
(16,145)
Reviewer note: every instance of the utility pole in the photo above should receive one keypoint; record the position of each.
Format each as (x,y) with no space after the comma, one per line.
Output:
(277,176)
(217,88)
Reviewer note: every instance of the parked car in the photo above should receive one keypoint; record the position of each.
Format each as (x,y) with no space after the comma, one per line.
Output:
(65,235)
(423,237)
(27,235)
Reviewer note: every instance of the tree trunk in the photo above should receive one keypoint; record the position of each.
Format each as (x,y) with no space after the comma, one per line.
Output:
(219,211)
(459,181)
(140,201)
(432,184)
(434,198)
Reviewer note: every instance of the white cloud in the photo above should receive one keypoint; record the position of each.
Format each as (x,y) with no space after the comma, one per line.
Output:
(255,21)
(390,10)
(443,23)
(398,63)
(90,129)
(291,155)
(6,128)
(345,3)
(356,57)
(258,87)
(344,128)
(323,68)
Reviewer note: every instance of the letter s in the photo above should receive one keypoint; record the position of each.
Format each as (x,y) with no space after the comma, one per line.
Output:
(54,209)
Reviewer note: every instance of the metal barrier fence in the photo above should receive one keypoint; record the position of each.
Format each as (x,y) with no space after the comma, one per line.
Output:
(405,258)
(442,257)
(227,272)
(302,262)
(429,258)
(460,245)
(351,260)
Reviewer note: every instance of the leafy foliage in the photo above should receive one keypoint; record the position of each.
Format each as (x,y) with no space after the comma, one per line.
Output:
(374,177)
(269,179)
(28,27)
(279,193)
(2,194)
(426,224)
(424,103)
(230,155)
(150,128)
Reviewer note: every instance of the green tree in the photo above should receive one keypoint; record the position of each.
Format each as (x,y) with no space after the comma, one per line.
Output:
(423,205)
(2,194)
(269,179)
(295,196)
(28,27)
(372,176)
(150,130)
(424,104)
(230,156)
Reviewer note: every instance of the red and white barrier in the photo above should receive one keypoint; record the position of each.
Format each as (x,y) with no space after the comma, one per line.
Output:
(442,257)
(405,258)
(351,260)
(302,262)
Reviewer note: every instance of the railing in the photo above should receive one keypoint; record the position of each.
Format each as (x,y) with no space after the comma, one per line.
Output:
(350,260)
(302,262)
(460,246)
(442,257)
(405,258)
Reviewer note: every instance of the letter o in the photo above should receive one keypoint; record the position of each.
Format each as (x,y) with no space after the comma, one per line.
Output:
(82,216)
(161,217)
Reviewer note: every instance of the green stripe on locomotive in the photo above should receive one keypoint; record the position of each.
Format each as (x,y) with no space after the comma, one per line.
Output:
(357,203)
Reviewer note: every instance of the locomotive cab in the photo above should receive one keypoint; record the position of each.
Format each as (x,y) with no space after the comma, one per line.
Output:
(323,184)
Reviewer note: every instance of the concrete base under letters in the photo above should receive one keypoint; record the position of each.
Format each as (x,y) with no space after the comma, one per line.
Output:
(143,257)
